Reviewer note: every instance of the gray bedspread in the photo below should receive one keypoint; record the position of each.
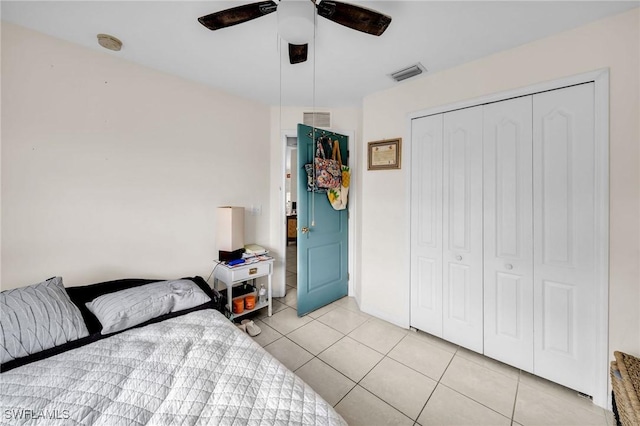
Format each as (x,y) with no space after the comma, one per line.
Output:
(195,369)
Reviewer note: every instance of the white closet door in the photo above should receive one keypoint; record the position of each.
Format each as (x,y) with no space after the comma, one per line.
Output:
(564,236)
(426,224)
(508,232)
(462,226)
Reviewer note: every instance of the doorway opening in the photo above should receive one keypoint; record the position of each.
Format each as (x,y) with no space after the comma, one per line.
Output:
(291,220)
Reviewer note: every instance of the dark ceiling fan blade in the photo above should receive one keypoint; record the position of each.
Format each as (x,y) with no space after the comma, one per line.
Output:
(355,17)
(237,15)
(298,53)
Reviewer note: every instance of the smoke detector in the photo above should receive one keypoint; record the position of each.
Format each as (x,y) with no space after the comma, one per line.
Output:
(109,42)
(408,72)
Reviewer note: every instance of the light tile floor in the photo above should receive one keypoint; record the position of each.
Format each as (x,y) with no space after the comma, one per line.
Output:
(375,373)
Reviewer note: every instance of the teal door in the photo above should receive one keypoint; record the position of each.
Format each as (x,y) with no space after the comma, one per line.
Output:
(322,232)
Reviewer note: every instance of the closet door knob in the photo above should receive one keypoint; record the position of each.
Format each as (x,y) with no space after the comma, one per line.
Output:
(458,258)
(305,229)
(508,266)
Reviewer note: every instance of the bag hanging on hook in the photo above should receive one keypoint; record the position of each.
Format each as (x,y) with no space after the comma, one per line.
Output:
(312,186)
(323,173)
(338,196)
(328,171)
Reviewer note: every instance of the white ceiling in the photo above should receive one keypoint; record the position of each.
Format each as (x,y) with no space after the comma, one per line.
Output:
(246,60)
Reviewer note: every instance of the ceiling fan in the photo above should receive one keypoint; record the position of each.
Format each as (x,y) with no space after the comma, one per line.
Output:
(352,16)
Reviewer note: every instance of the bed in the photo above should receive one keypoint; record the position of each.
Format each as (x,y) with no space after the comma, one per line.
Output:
(187,367)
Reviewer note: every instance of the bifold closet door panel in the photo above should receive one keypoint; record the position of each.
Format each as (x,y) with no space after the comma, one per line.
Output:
(426,224)
(508,232)
(462,226)
(565,290)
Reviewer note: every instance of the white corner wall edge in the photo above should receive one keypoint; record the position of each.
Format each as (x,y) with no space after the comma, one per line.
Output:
(393,319)
(600,78)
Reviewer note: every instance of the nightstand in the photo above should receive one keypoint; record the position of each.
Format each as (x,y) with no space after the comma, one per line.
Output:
(233,276)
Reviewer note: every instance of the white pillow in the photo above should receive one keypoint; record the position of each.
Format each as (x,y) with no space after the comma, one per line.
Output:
(127,308)
(186,294)
(36,318)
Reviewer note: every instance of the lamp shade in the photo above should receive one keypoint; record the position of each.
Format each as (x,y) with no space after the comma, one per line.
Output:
(230,229)
(295,21)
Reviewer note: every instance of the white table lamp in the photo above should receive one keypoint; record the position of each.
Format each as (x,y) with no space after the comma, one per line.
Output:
(230,232)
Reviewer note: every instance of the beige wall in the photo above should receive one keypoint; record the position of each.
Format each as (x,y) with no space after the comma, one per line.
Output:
(611,43)
(113,170)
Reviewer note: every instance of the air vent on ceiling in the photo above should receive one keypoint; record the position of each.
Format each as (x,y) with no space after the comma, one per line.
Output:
(317,119)
(408,72)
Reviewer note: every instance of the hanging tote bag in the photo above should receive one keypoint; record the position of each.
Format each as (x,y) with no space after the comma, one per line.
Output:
(311,184)
(329,171)
(338,196)
(323,145)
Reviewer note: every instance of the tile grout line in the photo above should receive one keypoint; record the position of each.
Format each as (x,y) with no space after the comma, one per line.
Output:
(467,396)
(437,383)
(477,402)
(333,328)
(460,393)
(358,382)
(365,375)
(386,355)
(284,334)
(413,369)
(329,365)
(494,370)
(515,399)
(387,403)
(316,356)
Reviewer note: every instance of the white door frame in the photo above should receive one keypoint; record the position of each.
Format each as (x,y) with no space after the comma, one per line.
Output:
(351,206)
(600,78)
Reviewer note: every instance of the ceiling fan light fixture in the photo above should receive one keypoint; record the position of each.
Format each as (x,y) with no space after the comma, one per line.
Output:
(295,21)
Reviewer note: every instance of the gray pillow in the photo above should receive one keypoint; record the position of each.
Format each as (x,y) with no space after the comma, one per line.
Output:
(36,318)
(126,308)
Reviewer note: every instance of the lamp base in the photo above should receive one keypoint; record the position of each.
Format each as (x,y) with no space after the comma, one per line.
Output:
(226,256)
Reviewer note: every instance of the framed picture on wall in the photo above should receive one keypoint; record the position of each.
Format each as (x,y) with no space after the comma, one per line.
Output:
(385,154)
